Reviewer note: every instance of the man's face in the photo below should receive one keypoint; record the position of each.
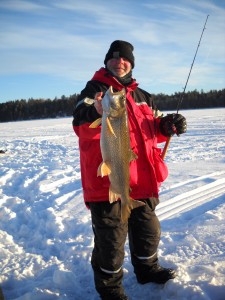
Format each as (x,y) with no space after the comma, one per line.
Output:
(119,66)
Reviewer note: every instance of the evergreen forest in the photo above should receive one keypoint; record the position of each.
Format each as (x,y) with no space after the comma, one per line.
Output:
(62,107)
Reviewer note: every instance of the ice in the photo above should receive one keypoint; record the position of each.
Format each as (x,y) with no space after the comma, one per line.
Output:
(46,236)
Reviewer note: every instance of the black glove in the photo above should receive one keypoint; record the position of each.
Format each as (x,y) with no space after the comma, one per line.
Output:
(173,123)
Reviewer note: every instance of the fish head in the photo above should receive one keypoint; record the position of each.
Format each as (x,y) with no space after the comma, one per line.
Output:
(114,103)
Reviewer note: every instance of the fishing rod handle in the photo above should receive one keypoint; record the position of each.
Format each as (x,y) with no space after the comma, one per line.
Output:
(166,147)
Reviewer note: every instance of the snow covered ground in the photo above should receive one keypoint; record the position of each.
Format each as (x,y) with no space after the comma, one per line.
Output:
(45,230)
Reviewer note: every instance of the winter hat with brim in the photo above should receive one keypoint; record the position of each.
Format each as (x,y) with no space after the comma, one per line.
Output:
(120,49)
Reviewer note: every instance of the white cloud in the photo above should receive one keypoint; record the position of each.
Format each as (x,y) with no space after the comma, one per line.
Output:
(69,39)
(22,5)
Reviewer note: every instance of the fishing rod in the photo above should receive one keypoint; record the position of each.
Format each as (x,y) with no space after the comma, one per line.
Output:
(183,93)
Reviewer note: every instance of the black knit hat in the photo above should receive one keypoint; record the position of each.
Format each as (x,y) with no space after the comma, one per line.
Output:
(120,49)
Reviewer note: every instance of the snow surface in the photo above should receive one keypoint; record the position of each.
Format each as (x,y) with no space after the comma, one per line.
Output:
(45,229)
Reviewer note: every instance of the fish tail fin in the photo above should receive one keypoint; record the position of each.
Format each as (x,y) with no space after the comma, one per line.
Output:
(125,212)
(126,209)
(136,203)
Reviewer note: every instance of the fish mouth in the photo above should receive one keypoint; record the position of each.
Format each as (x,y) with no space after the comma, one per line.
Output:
(112,92)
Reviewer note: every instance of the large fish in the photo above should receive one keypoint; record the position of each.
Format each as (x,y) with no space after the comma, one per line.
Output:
(116,151)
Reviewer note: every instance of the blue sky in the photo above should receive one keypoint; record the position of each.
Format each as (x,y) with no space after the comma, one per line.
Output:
(52,48)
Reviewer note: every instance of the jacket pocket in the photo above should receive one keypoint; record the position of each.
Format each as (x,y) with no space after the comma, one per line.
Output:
(161,169)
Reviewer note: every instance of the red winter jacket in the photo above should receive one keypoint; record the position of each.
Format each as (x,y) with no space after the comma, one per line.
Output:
(148,170)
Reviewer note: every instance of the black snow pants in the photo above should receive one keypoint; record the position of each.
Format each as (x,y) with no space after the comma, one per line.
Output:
(143,229)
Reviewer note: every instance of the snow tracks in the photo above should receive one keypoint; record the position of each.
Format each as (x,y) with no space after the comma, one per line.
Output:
(193,198)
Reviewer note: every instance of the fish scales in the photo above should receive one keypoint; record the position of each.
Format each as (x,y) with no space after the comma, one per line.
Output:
(116,151)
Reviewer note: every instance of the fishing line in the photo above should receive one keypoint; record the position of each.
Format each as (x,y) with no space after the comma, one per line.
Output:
(183,93)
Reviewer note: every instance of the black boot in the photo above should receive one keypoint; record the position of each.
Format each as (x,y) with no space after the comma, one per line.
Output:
(109,286)
(120,297)
(156,274)
(113,295)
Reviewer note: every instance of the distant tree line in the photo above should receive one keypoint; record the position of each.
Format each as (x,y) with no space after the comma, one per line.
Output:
(61,107)
(191,100)
(37,108)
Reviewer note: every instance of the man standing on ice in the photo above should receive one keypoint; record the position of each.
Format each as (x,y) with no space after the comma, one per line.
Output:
(146,173)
